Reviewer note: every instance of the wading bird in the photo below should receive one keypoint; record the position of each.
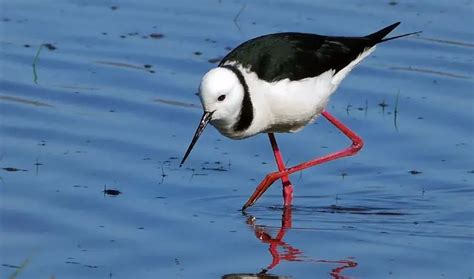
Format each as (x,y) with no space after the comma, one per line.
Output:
(279,83)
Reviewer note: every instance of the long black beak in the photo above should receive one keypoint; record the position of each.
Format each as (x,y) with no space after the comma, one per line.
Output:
(206,117)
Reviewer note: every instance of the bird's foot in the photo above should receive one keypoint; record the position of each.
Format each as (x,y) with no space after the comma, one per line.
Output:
(287,193)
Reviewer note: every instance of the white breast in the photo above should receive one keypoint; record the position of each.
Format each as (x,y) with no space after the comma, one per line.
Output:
(287,106)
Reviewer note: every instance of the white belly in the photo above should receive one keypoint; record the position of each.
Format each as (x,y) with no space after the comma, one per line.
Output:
(287,106)
(294,104)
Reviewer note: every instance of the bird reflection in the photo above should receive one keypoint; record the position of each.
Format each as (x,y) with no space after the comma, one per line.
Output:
(282,251)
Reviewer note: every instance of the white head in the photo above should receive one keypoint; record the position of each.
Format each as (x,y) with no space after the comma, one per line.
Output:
(221,96)
(221,93)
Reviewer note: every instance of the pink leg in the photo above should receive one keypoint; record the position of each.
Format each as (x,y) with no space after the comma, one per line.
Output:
(287,187)
(356,145)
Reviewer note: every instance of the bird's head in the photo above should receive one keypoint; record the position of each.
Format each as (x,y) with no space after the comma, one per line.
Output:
(221,95)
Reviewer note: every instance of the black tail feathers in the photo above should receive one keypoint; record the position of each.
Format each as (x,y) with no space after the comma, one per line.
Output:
(379,36)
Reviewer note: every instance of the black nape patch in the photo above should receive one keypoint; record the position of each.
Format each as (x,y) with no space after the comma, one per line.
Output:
(246,110)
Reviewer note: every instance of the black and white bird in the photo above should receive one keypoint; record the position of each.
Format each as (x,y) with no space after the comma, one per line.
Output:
(279,82)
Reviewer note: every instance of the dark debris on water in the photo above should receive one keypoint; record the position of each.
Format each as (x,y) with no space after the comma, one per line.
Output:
(11,266)
(111,192)
(383,104)
(157,35)
(11,169)
(215,169)
(50,46)
(215,60)
(361,210)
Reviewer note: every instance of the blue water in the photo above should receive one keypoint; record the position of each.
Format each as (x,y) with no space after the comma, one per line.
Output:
(97,96)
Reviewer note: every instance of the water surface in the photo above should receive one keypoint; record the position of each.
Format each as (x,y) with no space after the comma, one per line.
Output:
(98,104)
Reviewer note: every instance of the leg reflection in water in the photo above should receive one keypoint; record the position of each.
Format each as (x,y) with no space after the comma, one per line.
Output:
(280,250)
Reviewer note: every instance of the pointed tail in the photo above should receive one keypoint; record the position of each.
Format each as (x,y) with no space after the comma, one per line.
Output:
(379,36)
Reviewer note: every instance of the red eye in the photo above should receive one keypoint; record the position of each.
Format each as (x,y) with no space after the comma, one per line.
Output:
(221,98)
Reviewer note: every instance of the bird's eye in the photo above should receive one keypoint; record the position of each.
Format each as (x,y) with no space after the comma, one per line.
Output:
(221,98)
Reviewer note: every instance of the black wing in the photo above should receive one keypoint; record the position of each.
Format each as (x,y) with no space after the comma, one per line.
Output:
(299,55)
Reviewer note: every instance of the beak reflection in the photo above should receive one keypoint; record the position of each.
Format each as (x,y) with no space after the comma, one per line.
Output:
(206,117)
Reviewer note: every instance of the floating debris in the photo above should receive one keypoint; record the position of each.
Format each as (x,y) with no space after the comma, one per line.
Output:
(163,175)
(210,40)
(415,172)
(35,62)
(24,101)
(361,210)
(11,266)
(91,266)
(13,169)
(429,71)
(214,60)
(215,169)
(176,103)
(119,64)
(111,192)
(49,46)
(156,35)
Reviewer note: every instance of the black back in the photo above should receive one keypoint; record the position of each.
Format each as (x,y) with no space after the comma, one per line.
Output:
(299,55)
